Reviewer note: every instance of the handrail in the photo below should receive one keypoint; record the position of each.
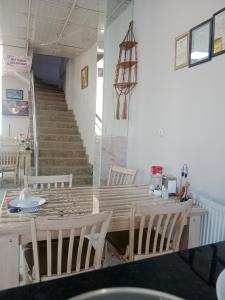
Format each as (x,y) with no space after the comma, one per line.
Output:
(35,136)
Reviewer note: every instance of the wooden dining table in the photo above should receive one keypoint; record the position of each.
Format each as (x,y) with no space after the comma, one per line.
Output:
(77,201)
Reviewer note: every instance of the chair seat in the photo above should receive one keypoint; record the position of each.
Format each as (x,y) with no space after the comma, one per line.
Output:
(120,240)
(42,254)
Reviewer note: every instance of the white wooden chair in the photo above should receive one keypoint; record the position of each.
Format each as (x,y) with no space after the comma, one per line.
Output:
(9,160)
(121,176)
(9,142)
(154,230)
(41,182)
(52,255)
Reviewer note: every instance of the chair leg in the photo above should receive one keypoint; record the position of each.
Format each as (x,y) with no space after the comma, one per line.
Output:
(15,178)
(24,270)
(107,261)
(114,257)
(126,255)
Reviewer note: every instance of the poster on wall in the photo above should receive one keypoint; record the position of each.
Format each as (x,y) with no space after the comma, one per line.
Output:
(14,94)
(219,32)
(14,108)
(20,63)
(84,77)
(200,43)
(181,51)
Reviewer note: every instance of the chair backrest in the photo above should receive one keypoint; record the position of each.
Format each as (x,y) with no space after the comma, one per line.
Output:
(156,229)
(58,228)
(55,181)
(9,158)
(8,142)
(121,176)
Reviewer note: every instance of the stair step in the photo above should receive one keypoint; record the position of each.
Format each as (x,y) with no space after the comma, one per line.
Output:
(50,102)
(61,170)
(55,113)
(57,124)
(39,90)
(59,137)
(49,96)
(52,108)
(60,118)
(61,153)
(55,130)
(52,98)
(62,161)
(43,88)
(79,181)
(60,145)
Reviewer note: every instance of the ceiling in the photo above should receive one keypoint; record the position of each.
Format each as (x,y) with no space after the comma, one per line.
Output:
(52,27)
(115,8)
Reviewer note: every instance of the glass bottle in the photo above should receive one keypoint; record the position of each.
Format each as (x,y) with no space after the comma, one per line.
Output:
(156,177)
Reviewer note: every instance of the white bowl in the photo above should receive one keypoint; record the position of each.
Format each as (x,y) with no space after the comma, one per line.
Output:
(30,202)
(220,286)
(125,293)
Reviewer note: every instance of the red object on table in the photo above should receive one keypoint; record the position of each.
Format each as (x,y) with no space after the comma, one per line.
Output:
(156,170)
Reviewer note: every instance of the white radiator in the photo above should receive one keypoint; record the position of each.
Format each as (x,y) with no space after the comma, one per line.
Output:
(213,224)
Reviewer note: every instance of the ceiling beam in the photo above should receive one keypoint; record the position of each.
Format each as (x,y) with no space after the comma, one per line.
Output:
(65,24)
(28,24)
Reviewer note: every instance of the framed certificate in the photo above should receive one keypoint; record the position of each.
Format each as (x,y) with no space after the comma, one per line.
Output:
(181,51)
(14,94)
(219,32)
(200,46)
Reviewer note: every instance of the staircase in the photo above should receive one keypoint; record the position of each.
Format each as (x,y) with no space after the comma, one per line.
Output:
(61,150)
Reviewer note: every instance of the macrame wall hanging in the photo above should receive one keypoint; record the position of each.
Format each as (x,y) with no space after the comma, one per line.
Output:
(126,73)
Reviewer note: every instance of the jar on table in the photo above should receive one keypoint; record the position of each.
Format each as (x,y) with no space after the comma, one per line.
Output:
(156,178)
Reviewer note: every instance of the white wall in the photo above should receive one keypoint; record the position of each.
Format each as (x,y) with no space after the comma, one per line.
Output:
(114,34)
(187,104)
(69,83)
(83,102)
(14,125)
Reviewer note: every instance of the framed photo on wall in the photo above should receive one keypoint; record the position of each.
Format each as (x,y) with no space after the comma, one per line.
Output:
(14,94)
(181,51)
(84,77)
(15,108)
(200,49)
(219,32)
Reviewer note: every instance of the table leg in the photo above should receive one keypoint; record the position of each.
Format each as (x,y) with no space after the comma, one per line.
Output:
(194,231)
(9,261)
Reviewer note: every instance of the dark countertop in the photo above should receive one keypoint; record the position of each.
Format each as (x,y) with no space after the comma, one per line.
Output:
(189,274)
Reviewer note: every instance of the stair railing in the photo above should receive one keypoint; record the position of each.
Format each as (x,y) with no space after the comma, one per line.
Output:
(34,119)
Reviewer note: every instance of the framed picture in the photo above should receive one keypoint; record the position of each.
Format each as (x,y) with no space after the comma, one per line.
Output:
(84,77)
(15,108)
(181,51)
(14,94)
(219,32)
(200,46)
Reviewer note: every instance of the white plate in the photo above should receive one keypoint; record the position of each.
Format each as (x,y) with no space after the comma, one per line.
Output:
(220,286)
(125,293)
(28,204)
